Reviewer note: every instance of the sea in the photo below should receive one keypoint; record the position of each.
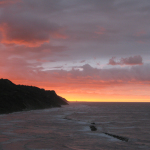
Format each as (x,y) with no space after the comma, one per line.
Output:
(78,126)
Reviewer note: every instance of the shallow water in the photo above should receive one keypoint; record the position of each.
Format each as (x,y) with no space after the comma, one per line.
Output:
(69,127)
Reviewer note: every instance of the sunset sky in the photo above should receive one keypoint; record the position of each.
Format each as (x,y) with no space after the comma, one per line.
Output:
(85,50)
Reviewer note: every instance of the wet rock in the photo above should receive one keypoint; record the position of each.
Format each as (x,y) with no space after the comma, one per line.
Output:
(93,128)
(117,137)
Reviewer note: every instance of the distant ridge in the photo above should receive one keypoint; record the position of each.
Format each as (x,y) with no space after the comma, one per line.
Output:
(15,98)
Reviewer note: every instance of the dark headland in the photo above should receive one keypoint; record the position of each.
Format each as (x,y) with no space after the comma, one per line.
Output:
(15,98)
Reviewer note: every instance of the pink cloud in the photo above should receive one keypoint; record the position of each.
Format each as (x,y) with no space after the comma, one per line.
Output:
(140,33)
(82,61)
(132,60)
(27,30)
(87,75)
(101,31)
(9,1)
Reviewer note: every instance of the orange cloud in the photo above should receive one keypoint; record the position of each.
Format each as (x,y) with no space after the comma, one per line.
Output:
(11,35)
(32,33)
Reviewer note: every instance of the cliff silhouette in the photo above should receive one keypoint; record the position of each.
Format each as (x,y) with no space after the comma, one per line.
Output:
(15,98)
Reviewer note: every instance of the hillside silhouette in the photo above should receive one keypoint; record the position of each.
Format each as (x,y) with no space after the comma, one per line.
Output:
(15,98)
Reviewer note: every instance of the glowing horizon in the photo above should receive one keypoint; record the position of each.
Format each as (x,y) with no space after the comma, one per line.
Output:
(75,96)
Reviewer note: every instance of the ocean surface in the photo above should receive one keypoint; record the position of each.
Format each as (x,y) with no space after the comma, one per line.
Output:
(120,126)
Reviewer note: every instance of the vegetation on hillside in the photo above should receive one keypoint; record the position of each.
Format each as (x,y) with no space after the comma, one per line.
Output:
(21,97)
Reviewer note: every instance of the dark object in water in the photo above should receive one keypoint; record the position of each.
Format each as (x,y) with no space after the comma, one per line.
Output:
(15,98)
(118,137)
(93,128)
(93,123)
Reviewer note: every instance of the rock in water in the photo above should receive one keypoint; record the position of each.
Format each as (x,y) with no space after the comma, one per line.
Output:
(117,137)
(15,98)
(93,128)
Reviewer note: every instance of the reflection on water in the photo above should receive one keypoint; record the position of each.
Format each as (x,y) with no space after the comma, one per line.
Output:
(69,127)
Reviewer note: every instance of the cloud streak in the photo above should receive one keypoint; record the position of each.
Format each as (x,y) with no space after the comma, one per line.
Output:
(132,60)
